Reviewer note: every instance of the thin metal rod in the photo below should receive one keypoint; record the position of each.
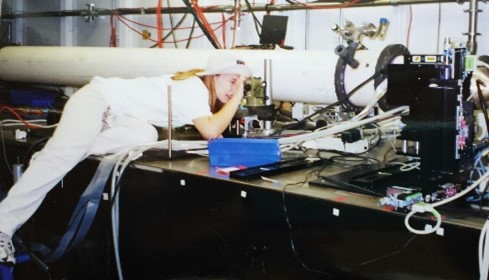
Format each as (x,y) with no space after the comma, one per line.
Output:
(170,121)
(472,34)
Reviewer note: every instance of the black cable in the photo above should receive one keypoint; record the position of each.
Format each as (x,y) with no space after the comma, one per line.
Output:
(345,156)
(255,19)
(290,227)
(31,148)
(173,26)
(338,102)
(173,31)
(387,255)
(7,164)
(201,25)
(190,34)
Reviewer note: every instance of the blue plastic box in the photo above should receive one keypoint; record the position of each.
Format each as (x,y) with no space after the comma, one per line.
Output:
(226,152)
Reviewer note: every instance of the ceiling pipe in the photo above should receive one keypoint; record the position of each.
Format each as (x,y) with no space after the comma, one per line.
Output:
(221,9)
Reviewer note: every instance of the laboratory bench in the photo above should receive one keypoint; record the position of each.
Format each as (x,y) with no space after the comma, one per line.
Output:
(183,219)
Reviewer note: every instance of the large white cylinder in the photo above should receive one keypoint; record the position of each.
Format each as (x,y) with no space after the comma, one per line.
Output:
(299,76)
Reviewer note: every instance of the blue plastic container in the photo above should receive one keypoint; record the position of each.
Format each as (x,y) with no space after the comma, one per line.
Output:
(248,152)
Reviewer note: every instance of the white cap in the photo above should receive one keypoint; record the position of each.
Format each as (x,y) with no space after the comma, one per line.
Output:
(224,64)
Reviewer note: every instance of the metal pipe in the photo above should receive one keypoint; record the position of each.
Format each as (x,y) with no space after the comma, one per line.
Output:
(472,34)
(220,9)
(267,66)
(170,122)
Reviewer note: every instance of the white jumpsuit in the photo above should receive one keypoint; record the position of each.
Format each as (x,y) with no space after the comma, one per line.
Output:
(105,116)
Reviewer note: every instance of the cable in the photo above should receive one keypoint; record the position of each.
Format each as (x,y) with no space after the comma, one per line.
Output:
(31,148)
(173,27)
(113,31)
(190,34)
(7,164)
(123,161)
(422,207)
(324,109)
(27,124)
(290,227)
(203,24)
(256,21)
(389,254)
(297,139)
(483,251)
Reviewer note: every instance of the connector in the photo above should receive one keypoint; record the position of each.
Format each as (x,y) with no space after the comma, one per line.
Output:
(20,134)
(351,135)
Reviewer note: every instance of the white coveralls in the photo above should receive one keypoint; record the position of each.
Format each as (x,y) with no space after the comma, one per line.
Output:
(105,116)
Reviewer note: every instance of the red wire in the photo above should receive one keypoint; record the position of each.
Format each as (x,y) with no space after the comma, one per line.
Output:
(204,21)
(113,35)
(223,30)
(133,29)
(124,19)
(159,24)
(12,110)
(235,26)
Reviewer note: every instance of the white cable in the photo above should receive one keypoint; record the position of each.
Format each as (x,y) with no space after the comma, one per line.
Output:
(483,251)
(379,93)
(462,193)
(297,139)
(366,110)
(11,122)
(422,207)
(482,63)
(115,214)
(125,158)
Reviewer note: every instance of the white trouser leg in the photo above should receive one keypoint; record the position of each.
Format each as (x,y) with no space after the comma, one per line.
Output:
(77,136)
(125,133)
(79,126)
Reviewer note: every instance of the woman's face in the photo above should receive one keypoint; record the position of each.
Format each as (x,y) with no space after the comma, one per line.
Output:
(225,86)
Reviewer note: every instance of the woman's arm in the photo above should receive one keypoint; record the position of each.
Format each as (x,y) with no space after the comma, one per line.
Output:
(211,127)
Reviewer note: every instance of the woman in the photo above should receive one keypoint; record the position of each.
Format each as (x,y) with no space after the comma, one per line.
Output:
(111,115)
(480,78)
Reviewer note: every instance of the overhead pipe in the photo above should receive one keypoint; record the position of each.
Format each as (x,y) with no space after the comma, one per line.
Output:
(221,9)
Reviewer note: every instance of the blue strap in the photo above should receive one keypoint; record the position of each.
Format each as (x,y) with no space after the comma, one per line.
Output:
(85,210)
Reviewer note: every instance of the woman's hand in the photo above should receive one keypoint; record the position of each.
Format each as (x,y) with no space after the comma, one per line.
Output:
(239,87)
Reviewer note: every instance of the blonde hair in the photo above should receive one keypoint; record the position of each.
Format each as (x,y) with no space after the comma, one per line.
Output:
(182,75)
(209,83)
(214,103)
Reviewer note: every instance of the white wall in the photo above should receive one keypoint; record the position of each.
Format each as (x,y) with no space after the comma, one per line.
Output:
(310,29)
